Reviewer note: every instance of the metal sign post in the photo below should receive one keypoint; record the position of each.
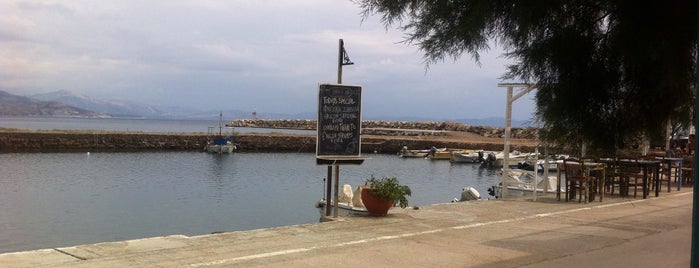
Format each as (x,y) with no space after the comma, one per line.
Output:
(339,128)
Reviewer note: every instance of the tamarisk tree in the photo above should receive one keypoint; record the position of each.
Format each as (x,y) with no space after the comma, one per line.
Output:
(607,71)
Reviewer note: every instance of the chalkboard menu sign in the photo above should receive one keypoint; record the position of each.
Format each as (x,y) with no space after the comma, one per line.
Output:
(339,121)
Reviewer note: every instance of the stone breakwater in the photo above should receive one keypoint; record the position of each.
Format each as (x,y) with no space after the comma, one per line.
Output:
(402,128)
(28,141)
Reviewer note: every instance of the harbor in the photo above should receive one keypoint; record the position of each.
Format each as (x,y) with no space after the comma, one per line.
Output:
(187,208)
(519,232)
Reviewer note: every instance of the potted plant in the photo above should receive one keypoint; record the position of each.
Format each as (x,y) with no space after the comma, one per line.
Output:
(379,195)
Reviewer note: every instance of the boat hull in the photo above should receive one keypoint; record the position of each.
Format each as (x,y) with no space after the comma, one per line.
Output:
(220,149)
(465,157)
(344,209)
(496,191)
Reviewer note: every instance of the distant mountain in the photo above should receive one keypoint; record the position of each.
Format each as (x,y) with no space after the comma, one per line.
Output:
(116,108)
(14,105)
(126,108)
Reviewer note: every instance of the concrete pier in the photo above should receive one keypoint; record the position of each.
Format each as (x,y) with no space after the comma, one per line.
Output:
(619,232)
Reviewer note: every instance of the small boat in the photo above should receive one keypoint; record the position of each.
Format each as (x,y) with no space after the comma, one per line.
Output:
(466,156)
(344,209)
(404,152)
(349,203)
(468,194)
(217,143)
(437,154)
(497,159)
(528,164)
(519,183)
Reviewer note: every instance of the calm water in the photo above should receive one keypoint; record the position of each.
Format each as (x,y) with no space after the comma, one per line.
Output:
(62,199)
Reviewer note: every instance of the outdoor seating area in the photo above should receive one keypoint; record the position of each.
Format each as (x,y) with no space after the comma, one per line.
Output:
(590,178)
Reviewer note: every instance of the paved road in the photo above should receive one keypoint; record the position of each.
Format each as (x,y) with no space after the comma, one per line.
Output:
(513,233)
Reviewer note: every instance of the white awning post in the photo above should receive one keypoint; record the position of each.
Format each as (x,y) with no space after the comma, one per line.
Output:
(506,150)
(508,128)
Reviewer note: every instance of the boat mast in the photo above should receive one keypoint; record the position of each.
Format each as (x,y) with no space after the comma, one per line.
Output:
(220,123)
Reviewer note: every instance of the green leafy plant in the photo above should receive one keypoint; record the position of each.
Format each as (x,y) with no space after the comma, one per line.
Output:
(390,188)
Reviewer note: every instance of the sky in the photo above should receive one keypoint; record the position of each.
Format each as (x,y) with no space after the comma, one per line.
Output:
(266,55)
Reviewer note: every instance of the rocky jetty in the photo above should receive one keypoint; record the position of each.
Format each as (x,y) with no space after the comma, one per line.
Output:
(400,128)
(19,141)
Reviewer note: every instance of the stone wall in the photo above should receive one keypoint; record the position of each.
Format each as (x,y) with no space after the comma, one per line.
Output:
(72,142)
(249,142)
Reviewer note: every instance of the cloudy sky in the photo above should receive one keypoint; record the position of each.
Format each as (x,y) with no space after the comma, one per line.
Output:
(267,55)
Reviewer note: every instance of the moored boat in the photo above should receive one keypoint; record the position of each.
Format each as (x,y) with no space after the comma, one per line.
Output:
(521,182)
(466,156)
(349,203)
(497,159)
(217,143)
(406,153)
(344,208)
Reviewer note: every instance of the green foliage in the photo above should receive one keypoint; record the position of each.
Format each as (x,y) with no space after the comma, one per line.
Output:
(607,71)
(390,188)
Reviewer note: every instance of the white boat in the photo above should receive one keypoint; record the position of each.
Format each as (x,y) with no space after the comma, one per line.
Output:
(468,194)
(528,164)
(467,156)
(344,209)
(217,143)
(404,152)
(349,203)
(497,159)
(520,183)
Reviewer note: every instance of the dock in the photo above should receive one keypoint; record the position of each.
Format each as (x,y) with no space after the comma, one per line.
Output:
(517,232)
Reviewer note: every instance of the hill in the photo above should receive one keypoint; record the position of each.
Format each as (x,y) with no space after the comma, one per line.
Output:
(13,105)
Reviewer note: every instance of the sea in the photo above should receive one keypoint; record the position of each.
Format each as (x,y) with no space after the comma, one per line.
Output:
(50,200)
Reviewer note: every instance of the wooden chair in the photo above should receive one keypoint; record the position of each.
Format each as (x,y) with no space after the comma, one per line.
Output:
(661,169)
(688,170)
(577,182)
(667,172)
(613,177)
(631,176)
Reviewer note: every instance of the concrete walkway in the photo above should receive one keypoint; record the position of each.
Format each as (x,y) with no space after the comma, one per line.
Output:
(618,232)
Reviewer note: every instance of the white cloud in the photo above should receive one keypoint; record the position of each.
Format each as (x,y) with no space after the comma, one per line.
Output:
(269,54)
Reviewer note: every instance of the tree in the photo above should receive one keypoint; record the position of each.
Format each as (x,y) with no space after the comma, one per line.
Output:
(607,71)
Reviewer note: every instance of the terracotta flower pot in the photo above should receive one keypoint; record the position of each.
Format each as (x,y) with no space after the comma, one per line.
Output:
(376,205)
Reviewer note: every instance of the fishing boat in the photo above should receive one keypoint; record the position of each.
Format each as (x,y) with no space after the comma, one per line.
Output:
(349,203)
(521,182)
(541,164)
(344,209)
(466,156)
(468,194)
(497,159)
(406,153)
(437,154)
(217,143)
